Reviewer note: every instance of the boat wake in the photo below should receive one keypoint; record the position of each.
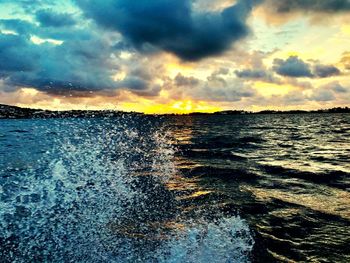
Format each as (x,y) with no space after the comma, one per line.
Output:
(100,195)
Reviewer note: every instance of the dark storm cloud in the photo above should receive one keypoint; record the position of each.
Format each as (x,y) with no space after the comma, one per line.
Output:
(80,65)
(172,26)
(292,67)
(326,6)
(16,54)
(70,55)
(324,71)
(49,18)
(19,26)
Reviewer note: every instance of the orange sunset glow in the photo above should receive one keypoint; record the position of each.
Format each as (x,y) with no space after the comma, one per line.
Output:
(270,56)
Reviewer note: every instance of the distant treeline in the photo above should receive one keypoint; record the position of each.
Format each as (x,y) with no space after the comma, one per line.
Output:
(242,112)
(13,112)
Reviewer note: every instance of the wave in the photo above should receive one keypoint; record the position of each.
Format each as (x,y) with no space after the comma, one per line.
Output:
(327,177)
(220,173)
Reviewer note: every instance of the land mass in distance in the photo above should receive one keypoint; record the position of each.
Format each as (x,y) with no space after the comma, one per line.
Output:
(14,112)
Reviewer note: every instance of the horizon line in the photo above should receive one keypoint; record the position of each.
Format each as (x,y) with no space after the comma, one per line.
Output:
(320,110)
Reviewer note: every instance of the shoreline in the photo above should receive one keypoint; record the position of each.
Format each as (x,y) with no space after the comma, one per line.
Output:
(14,112)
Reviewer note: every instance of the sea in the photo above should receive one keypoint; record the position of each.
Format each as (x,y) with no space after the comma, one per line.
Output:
(213,188)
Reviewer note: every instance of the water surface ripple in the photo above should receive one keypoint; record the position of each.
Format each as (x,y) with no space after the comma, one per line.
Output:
(246,188)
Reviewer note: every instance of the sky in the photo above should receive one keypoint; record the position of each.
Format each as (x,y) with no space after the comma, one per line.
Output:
(175,56)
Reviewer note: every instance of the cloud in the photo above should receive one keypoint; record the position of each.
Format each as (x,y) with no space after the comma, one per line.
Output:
(329,92)
(336,87)
(316,11)
(50,18)
(16,54)
(322,95)
(172,26)
(292,67)
(294,98)
(325,6)
(133,83)
(297,83)
(324,71)
(19,26)
(83,62)
(152,91)
(236,92)
(260,74)
(28,29)
(251,74)
(29,3)
(345,60)
(121,52)
(230,94)
(80,65)
(181,80)
(297,68)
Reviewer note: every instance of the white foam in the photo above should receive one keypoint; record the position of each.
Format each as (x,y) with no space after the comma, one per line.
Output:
(61,211)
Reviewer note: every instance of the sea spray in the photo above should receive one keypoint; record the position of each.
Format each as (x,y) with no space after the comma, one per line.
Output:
(100,195)
(222,240)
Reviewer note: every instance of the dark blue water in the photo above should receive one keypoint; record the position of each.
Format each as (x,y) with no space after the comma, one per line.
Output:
(254,188)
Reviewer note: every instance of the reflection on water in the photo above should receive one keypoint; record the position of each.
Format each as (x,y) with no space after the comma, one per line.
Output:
(288,175)
(329,201)
(262,188)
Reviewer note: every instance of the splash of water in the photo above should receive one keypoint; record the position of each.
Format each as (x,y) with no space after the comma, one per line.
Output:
(99,195)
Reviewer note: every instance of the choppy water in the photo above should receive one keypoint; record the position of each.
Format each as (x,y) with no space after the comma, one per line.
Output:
(254,188)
